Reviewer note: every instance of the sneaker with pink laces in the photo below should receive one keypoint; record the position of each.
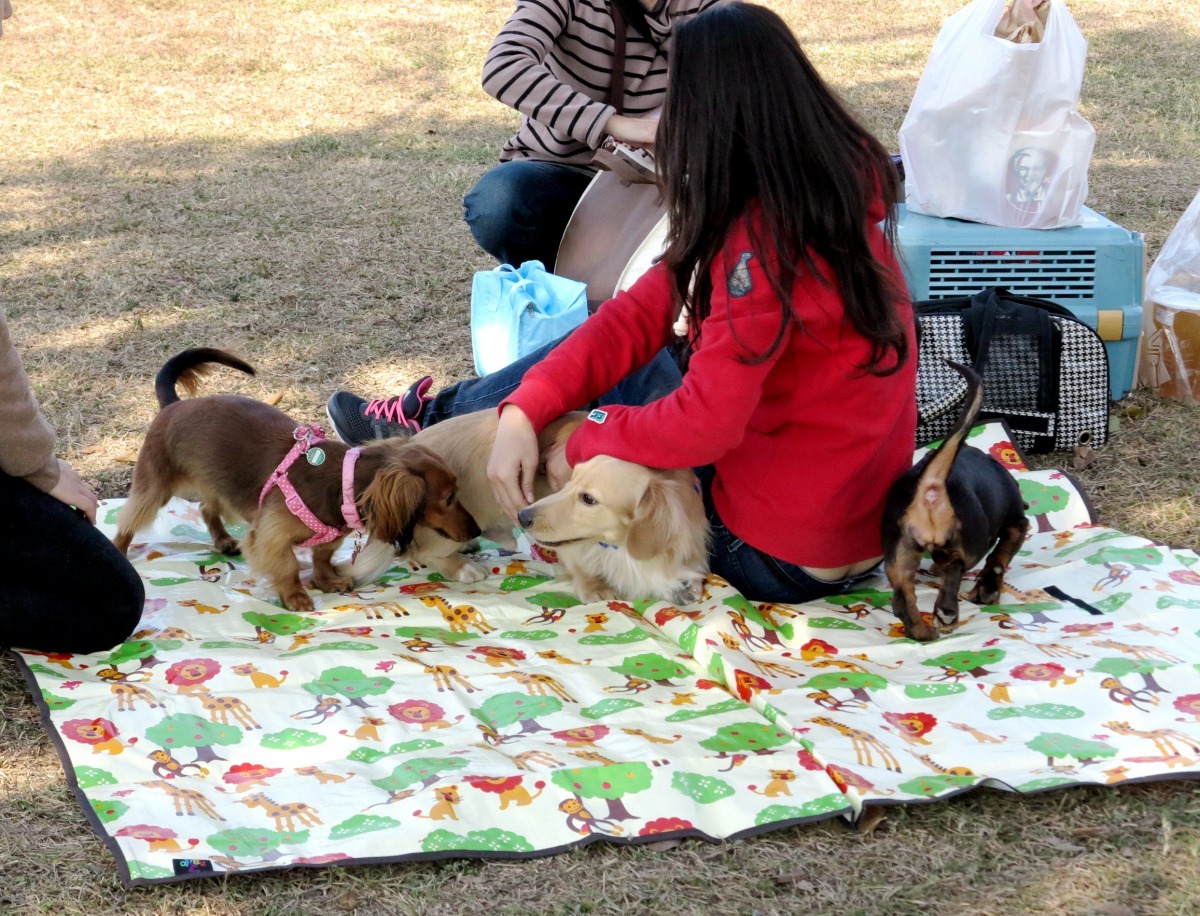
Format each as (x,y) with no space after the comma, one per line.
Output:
(357,421)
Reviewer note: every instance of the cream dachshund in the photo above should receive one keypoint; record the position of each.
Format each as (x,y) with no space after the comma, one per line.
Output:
(620,530)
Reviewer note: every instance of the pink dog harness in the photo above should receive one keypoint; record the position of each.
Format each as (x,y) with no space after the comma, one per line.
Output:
(308,438)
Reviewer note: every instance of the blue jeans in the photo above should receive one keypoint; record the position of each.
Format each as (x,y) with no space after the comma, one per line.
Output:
(518,210)
(657,378)
(758,575)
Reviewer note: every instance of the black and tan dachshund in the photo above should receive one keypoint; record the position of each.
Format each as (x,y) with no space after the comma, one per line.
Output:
(954,504)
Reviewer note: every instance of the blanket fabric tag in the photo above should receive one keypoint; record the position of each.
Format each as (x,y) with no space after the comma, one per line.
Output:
(192,866)
(597,416)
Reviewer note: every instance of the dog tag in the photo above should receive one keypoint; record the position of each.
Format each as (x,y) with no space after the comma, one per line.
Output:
(315,456)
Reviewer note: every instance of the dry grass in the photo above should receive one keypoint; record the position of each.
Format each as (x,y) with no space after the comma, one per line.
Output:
(283,177)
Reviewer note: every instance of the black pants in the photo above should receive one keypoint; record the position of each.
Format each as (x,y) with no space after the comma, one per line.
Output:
(63,586)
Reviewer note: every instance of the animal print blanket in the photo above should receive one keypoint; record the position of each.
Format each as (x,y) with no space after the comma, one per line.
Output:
(421,719)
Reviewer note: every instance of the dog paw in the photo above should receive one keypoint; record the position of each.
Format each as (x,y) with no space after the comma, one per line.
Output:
(947,618)
(471,572)
(592,593)
(297,601)
(334,584)
(984,595)
(920,631)
(228,546)
(688,592)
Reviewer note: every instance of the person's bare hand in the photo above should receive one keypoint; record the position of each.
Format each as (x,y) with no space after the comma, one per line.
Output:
(633,131)
(72,490)
(554,460)
(514,461)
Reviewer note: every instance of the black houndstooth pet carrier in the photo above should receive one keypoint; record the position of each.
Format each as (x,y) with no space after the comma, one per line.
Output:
(1044,371)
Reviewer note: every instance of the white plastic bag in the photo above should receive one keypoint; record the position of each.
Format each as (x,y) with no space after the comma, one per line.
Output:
(993,134)
(1169,361)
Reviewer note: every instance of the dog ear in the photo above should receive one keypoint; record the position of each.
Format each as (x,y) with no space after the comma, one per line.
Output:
(658,521)
(392,503)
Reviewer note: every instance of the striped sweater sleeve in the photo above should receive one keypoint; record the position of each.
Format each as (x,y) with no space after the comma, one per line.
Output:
(518,73)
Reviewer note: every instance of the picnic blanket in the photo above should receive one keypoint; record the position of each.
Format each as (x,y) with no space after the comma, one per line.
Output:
(422,719)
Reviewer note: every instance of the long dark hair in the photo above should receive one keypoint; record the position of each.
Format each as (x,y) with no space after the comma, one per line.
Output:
(748,119)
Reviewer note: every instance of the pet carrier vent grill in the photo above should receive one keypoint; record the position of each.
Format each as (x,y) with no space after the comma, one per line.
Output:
(1054,273)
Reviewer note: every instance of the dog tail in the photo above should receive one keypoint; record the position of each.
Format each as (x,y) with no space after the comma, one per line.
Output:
(932,486)
(186,370)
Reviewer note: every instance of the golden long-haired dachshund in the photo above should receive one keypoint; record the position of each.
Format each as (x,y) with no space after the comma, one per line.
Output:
(240,457)
(620,530)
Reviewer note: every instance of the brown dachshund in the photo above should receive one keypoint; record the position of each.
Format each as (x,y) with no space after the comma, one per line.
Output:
(240,457)
(955,503)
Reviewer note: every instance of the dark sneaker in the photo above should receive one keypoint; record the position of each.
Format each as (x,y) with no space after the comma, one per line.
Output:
(357,421)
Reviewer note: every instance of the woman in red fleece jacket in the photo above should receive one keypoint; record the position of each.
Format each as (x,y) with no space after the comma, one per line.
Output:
(798,400)
(799,390)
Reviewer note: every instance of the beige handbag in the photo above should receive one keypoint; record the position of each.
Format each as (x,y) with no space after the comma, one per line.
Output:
(620,223)
(613,236)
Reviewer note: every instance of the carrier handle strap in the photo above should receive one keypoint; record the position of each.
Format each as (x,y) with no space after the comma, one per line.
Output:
(991,306)
(616,83)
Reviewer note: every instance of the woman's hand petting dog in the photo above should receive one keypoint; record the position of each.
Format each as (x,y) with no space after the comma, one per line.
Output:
(514,461)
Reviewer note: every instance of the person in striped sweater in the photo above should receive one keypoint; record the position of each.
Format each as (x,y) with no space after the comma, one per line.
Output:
(553,61)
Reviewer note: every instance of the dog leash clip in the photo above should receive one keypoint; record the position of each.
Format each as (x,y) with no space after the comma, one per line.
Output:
(308,436)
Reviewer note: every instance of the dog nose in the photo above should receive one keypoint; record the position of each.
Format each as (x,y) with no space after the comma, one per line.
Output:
(525,518)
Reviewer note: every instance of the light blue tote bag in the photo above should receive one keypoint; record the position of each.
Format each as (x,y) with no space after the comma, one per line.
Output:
(515,310)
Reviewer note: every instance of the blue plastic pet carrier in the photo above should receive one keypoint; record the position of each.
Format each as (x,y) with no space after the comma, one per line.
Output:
(1095,270)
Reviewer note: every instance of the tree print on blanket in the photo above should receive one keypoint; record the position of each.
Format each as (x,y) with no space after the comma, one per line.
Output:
(183,731)
(609,784)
